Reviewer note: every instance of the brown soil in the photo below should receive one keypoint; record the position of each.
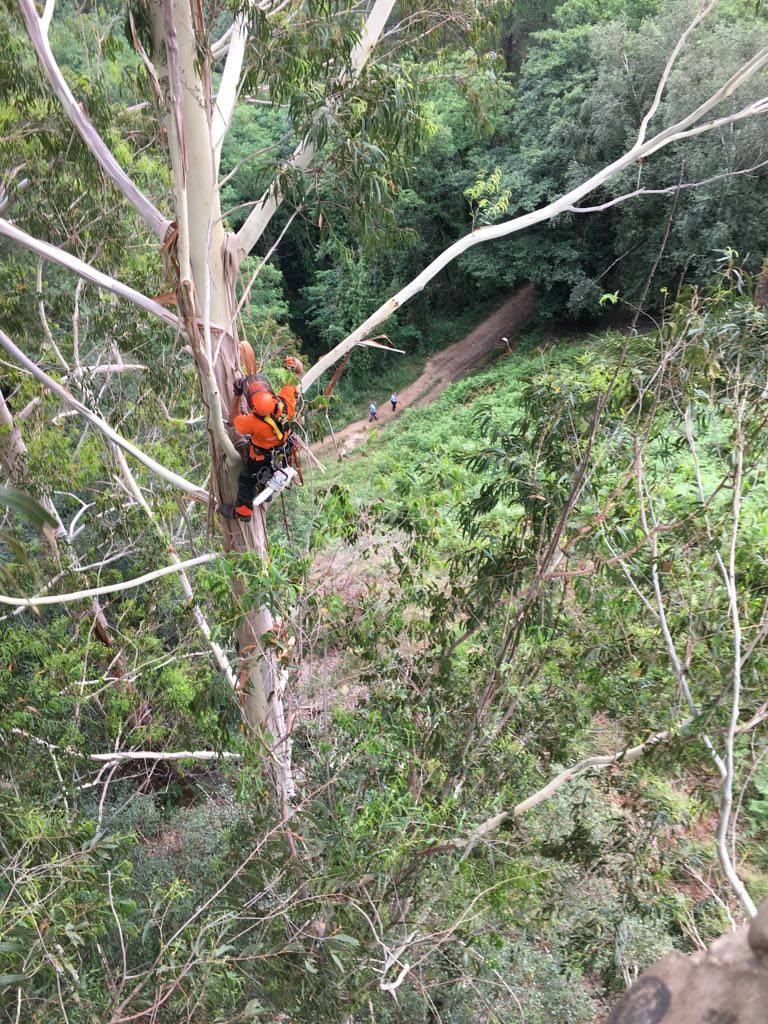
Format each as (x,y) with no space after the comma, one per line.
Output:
(452,364)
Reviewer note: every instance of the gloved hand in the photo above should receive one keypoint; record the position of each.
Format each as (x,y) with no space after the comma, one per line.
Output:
(292,363)
(237,385)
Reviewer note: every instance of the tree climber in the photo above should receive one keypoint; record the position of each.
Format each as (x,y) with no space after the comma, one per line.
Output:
(267,429)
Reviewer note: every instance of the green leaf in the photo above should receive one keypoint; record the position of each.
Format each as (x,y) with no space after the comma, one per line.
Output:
(12,979)
(26,507)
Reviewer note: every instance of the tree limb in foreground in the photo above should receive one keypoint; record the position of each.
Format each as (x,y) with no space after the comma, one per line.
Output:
(37,29)
(117,756)
(101,424)
(110,588)
(628,755)
(86,271)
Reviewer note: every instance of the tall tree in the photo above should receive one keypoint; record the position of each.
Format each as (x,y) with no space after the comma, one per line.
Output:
(318,61)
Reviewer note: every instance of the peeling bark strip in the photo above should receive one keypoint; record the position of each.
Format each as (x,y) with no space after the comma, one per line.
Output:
(37,30)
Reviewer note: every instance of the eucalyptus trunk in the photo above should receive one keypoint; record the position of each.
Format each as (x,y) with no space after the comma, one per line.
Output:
(203,254)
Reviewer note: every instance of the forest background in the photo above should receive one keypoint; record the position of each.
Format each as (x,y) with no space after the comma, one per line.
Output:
(559,567)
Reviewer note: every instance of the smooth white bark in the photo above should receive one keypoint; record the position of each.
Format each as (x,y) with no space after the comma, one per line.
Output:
(118,756)
(728,574)
(304,154)
(626,756)
(687,127)
(51,341)
(37,29)
(86,271)
(111,588)
(101,424)
(695,22)
(224,107)
(667,190)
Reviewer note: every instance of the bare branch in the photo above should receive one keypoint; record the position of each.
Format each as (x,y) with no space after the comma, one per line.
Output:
(304,154)
(202,623)
(47,16)
(226,97)
(119,756)
(86,271)
(699,17)
(44,319)
(38,34)
(101,424)
(669,189)
(221,46)
(729,579)
(111,588)
(263,263)
(687,127)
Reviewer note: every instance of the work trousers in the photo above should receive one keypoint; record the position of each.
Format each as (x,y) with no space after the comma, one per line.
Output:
(255,475)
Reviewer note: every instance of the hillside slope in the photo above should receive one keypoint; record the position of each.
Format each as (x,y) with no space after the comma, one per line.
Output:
(451,364)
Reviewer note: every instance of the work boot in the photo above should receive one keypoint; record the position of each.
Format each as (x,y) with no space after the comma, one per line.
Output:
(230,511)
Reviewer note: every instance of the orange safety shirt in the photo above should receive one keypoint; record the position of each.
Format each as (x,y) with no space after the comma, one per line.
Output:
(261,432)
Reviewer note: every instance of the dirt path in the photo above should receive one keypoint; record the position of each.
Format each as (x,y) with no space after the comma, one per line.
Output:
(453,363)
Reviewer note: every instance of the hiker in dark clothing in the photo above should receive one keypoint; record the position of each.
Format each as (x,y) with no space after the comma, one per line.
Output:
(394,400)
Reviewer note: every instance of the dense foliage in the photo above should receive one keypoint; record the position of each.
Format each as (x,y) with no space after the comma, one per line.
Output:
(562,558)
(562,97)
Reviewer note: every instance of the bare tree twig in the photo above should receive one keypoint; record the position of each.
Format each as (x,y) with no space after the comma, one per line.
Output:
(111,588)
(86,271)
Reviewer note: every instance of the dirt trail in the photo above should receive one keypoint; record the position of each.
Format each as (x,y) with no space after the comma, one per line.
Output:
(445,367)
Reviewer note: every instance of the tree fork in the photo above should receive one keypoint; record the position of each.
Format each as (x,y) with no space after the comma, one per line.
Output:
(206,296)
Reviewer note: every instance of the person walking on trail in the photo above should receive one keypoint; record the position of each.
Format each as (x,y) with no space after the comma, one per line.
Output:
(394,400)
(372,411)
(266,432)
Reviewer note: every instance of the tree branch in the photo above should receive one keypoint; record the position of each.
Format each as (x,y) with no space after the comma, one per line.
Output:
(699,17)
(155,467)
(667,190)
(150,755)
(626,756)
(729,580)
(685,128)
(37,29)
(86,271)
(111,588)
(302,156)
(118,756)
(226,97)
(202,623)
